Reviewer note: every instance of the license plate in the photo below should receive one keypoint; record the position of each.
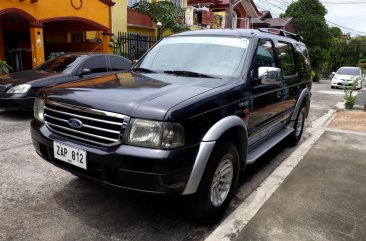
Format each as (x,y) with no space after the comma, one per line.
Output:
(69,154)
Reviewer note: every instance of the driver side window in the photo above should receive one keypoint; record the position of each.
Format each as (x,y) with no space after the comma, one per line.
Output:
(265,55)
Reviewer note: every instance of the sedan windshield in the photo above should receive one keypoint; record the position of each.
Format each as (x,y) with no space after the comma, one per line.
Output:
(349,71)
(197,56)
(61,64)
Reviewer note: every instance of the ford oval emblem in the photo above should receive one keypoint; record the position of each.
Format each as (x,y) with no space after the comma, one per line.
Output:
(75,123)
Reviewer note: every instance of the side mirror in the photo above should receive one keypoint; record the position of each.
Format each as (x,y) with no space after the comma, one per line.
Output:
(333,73)
(269,75)
(84,72)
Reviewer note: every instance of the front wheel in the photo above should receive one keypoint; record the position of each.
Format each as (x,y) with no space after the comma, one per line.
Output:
(217,186)
(295,136)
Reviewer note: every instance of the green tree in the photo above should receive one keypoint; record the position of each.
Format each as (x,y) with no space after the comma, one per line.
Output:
(308,16)
(335,32)
(170,15)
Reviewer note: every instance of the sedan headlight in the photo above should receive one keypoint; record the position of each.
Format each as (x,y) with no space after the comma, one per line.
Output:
(19,89)
(38,109)
(155,134)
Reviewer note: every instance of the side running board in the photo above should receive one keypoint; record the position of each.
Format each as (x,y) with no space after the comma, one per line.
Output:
(262,148)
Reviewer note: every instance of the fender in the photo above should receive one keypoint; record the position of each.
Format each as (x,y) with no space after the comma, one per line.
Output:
(304,95)
(207,145)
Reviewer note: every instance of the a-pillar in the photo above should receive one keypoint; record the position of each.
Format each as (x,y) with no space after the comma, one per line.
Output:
(37,45)
(106,43)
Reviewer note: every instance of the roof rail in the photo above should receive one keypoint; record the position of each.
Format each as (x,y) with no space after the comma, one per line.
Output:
(282,32)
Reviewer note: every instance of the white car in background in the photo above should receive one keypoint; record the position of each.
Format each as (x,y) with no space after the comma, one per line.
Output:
(345,76)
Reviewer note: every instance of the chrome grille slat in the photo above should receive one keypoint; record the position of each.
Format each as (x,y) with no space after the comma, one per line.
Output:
(82,133)
(98,127)
(87,126)
(76,137)
(83,117)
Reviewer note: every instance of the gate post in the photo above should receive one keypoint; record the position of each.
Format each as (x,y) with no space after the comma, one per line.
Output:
(37,45)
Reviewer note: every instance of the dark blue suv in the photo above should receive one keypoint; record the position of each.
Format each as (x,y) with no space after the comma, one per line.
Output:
(189,116)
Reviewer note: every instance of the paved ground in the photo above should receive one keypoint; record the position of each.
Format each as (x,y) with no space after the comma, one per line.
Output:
(41,202)
(322,199)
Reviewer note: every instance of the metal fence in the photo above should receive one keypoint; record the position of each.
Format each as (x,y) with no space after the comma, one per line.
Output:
(132,45)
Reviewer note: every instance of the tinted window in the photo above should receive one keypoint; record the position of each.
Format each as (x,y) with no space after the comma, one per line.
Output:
(349,71)
(287,58)
(60,64)
(265,54)
(304,61)
(118,63)
(97,64)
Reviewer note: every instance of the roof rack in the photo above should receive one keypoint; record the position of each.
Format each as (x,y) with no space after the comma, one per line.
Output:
(282,32)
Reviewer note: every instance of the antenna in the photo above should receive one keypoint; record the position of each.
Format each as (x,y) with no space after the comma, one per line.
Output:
(96,47)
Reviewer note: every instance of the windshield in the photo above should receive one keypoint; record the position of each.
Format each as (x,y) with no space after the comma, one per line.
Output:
(211,56)
(348,71)
(61,64)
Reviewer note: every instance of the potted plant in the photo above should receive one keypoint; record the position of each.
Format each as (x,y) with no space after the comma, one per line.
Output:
(348,98)
(4,68)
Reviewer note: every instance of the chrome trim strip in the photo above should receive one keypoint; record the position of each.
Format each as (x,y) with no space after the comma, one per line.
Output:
(84,125)
(88,110)
(221,126)
(81,132)
(83,139)
(84,117)
(206,147)
(199,167)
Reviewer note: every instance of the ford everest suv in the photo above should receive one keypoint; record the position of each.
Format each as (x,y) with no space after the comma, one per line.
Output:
(186,119)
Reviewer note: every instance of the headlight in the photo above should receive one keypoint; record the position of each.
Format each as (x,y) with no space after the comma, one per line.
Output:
(38,109)
(19,89)
(155,134)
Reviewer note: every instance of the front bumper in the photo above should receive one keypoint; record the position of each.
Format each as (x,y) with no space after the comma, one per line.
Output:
(126,167)
(342,84)
(25,103)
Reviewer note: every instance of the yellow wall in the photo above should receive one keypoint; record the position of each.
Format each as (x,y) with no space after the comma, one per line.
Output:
(144,31)
(91,9)
(119,16)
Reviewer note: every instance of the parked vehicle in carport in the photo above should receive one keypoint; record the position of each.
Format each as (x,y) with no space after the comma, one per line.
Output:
(18,90)
(347,76)
(192,113)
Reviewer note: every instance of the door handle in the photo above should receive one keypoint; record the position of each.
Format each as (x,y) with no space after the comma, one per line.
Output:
(279,94)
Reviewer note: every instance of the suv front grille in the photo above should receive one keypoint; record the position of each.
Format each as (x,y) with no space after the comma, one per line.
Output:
(98,127)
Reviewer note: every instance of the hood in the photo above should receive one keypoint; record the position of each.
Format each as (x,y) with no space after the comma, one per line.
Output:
(346,77)
(26,77)
(147,96)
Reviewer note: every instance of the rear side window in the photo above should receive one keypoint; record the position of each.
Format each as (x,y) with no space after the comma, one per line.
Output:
(287,58)
(97,64)
(304,60)
(118,63)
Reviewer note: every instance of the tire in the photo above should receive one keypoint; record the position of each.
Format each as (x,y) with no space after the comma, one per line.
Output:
(209,203)
(294,138)
(332,87)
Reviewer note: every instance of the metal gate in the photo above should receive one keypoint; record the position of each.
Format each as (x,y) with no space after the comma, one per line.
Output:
(132,45)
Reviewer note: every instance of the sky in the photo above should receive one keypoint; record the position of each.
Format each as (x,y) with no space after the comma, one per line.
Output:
(348,15)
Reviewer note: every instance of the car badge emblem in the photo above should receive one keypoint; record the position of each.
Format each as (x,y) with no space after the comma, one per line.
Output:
(75,123)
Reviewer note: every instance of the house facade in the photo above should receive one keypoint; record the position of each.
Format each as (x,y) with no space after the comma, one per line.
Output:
(32,30)
(214,13)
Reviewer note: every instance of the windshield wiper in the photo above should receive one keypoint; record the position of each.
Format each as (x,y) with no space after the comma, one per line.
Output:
(190,74)
(143,70)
